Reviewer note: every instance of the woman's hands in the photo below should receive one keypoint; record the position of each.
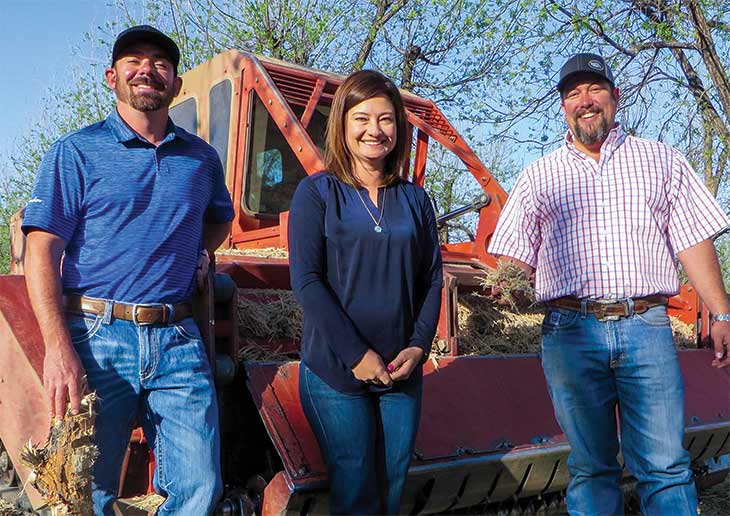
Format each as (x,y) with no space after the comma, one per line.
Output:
(404,363)
(370,369)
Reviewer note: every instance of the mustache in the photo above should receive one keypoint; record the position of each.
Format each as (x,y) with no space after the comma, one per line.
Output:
(147,81)
(582,112)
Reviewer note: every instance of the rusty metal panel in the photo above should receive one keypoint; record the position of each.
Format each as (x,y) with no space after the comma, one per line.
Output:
(275,391)
(24,411)
(487,430)
(254,272)
(685,305)
(706,388)
(480,404)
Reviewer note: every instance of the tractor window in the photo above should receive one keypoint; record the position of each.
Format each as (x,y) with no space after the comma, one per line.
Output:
(273,171)
(185,115)
(317,124)
(219,101)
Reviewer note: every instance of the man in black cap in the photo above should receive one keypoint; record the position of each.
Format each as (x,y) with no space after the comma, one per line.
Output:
(600,221)
(132,203)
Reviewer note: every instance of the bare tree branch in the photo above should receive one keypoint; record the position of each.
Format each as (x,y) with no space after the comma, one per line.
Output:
(385,10)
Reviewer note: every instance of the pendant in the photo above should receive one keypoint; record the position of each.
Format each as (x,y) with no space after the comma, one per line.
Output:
(378,229)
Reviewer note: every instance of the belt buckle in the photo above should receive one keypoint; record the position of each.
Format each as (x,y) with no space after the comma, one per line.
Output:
(148,305)
(601,316)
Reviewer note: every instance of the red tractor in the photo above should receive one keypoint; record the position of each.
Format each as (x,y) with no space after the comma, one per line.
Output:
(488,438)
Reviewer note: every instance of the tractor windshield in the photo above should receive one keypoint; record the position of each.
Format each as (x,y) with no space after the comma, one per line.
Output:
(272,169)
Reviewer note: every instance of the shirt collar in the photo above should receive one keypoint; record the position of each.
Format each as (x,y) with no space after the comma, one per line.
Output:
(123,133)
(615,138)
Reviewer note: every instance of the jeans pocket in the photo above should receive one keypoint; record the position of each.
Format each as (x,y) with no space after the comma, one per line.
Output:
(558,319)
(655,316)
(83,327)
(188,329)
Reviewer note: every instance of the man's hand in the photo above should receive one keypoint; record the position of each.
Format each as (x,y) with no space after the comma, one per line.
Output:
(403,365)
(371,369)
(721,341)
(201,272)
(63,379)
(703,270)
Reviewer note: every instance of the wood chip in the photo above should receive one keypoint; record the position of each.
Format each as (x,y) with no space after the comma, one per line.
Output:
(61,471)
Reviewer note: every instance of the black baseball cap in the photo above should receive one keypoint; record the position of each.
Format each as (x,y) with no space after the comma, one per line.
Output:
(584,63)
(148,34)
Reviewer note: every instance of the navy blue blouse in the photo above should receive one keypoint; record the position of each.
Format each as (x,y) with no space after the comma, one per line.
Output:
(361,289)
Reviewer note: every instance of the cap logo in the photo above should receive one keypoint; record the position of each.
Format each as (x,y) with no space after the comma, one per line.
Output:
(595,64)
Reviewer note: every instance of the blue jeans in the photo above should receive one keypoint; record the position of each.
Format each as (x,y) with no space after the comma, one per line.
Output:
(366,439)
(158,375)
(591,368)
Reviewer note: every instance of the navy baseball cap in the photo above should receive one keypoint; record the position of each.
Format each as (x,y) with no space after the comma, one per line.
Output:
(148,34)
(584,63)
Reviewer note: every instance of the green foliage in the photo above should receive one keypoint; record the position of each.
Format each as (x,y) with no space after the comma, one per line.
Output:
(85,102)
(451,185)
(722,245)
(490,66)
(299,31)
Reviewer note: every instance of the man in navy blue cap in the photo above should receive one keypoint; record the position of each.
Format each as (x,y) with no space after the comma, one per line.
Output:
(601,221)
(131,203)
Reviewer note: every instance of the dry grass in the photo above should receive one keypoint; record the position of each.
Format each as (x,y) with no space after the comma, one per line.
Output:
(254,352)
(270,316)
(259,252)
(512,284)
(486,328)
(10,509)
(146,504)
(684,334)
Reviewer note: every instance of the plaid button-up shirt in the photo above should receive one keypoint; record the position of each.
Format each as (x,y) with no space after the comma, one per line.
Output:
(609,229)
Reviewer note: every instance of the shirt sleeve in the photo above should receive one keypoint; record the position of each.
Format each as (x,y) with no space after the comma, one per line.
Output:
(307,266)
(57,197)
(694,213)
(517,234)
(220,208)
(430,281)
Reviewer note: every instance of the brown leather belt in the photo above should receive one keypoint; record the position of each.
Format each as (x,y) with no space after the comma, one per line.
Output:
(605,309)
(140,314)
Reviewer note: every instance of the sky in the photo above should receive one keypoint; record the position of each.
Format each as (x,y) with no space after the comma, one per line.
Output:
(37,38)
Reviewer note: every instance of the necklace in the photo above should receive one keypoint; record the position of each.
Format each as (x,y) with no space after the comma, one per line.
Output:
(377,228)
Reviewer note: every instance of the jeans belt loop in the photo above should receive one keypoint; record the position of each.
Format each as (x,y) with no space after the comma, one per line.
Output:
(170,312)
(583,308)
(108,311)
(630,307)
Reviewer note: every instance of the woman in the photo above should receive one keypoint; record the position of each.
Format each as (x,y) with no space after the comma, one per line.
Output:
(366,268)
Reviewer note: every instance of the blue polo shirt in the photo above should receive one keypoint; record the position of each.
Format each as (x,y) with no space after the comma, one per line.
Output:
(361,289)
(131,214)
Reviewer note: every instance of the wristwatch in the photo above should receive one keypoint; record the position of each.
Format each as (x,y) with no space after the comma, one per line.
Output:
(721,317)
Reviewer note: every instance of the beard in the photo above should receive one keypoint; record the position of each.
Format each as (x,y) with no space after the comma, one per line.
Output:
(153,100)
(594,132)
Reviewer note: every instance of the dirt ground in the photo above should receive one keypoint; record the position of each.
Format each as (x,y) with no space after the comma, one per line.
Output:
(715,501)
